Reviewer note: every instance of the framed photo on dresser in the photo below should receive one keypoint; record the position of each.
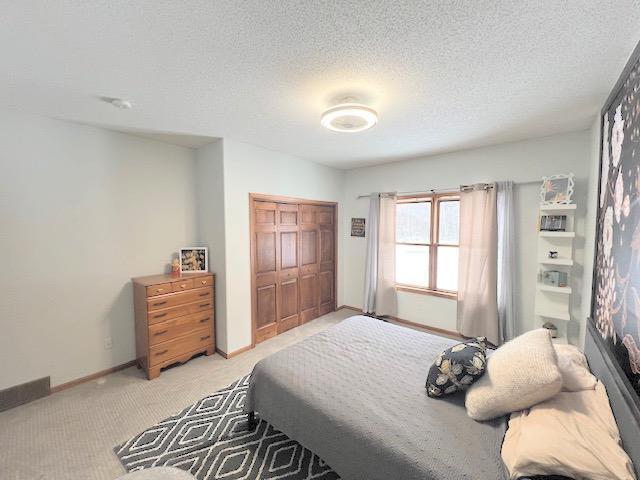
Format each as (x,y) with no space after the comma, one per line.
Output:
(194,259)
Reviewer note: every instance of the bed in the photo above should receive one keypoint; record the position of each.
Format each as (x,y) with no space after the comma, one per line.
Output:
(354,394)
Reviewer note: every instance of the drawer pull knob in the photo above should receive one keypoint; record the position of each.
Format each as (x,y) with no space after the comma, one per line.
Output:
(184,285)
(203,282)
(204,320)
(206,294)
(160,290)
(161,353)
(205,337)
(160,315)
(161,332)
(202,305)
(157,304)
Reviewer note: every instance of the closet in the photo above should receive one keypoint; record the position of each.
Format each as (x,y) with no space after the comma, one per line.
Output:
(293,263)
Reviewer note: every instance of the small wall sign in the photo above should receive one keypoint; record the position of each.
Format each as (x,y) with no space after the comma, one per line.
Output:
(357,227)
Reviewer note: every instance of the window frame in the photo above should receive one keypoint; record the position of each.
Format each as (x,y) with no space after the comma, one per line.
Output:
(434,243)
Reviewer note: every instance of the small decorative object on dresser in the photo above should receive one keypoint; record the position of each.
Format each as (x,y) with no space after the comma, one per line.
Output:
(175,267)
(174,319)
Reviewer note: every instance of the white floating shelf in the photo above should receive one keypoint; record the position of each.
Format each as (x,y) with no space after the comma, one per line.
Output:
(557,315)
(549,288)
(556,261)
(557,234)
(571,206)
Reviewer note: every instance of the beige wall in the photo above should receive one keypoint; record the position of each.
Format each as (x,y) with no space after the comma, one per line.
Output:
(251,169)
(211,225)
(523,162)
(82,210)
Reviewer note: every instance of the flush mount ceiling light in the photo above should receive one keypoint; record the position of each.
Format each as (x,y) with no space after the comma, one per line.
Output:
(349,117)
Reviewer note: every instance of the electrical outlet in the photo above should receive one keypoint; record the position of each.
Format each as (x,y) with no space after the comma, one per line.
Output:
(108,343)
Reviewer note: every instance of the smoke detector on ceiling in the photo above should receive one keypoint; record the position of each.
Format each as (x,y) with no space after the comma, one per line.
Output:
(120,103)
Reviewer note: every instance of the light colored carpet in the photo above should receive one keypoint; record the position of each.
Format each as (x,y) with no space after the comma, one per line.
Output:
(70,435)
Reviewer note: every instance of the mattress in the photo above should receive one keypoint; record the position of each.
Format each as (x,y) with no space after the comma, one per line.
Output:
(355,395)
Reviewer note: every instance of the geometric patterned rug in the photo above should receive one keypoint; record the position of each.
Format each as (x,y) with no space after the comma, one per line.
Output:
(210,440)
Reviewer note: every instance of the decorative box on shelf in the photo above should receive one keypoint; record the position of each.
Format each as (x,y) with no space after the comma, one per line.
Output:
(174,318)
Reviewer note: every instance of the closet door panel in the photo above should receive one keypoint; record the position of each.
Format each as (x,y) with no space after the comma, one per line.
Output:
(288,282)
(326,228)
(265,261)
(326,292)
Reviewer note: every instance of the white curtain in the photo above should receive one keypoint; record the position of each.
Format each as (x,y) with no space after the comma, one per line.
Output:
(506,260)
(477,271)
(386,303)
(379,282)
(371,265)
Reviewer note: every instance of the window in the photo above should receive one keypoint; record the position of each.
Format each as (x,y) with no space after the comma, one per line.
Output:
(427,238)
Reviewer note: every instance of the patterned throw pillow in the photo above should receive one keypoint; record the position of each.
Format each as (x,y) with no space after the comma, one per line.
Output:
(457,367)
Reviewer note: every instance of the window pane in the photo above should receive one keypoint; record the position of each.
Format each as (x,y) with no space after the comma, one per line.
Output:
(412,265)
(447,268)
(413,222)
(449,222)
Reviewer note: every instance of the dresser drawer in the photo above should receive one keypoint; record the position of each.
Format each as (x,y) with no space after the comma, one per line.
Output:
(200,339)
(182,285)
(203,282)
(160,289)
(179,311)
(175,299)
(161,332)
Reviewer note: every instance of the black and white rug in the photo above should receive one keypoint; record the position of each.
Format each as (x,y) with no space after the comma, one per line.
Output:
(210,440)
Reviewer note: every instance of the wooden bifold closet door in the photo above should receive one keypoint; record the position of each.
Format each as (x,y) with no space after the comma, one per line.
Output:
(292,264)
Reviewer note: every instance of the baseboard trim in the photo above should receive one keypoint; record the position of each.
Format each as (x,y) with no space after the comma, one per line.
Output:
(235,352)
(408,323)
(93,376)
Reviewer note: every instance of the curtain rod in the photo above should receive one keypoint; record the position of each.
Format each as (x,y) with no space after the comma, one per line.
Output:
(440,190)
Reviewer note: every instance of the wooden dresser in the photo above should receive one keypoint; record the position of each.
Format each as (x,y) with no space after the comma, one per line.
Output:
(174,319)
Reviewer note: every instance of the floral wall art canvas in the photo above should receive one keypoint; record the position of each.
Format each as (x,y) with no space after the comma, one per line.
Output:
(616,299)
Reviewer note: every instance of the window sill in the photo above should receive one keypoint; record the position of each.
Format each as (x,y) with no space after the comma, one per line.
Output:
(426,291)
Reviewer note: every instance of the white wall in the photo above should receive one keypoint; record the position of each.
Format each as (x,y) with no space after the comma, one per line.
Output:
(82,210)
(590,223)
(211,224)
(524,163)
(250,169)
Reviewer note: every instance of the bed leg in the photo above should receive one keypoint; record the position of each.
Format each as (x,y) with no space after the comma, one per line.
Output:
(251,421)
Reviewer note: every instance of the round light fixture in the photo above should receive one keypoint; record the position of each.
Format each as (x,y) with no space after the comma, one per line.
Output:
(349,117)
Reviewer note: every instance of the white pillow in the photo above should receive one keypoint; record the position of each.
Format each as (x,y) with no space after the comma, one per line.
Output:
(574,369)
(519,374)
(574,434)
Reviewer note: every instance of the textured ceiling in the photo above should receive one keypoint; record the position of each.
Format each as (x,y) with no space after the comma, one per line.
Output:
(444,75)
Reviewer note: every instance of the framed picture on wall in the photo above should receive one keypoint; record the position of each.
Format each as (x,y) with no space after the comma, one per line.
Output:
(357,227)
(556,189)
(194,259)
(615,308)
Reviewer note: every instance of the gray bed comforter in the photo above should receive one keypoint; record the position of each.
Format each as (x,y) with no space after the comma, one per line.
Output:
(355,395)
